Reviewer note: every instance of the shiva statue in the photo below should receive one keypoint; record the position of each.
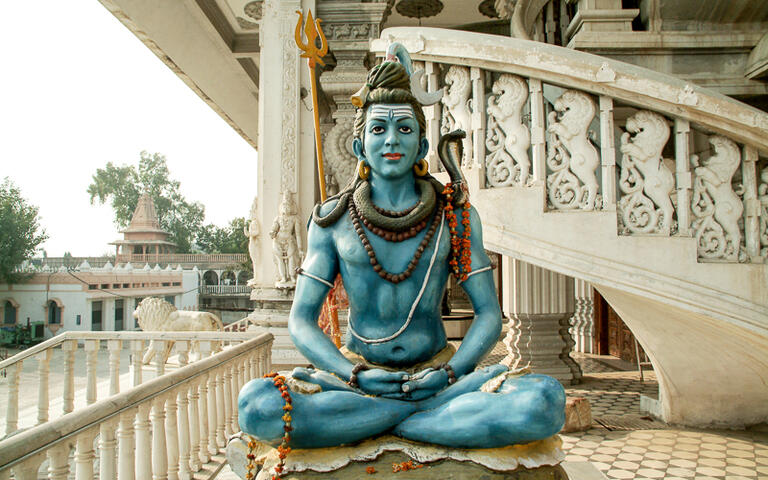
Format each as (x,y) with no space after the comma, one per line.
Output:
(394,235)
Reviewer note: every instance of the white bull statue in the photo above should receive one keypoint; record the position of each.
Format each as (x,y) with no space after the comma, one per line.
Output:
(156,315)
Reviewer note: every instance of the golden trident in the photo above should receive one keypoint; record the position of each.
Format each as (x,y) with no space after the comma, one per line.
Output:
(314,55)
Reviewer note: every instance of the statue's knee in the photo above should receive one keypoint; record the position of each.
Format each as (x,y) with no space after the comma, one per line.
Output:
(549,408)
(260,409)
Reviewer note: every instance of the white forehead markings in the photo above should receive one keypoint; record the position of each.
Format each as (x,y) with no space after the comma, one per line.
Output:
(391,111)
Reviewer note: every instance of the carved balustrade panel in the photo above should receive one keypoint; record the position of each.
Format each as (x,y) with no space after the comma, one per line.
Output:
(457,107)
(646,180)
(507,136)
(572,158)
(762,192)
(717,208)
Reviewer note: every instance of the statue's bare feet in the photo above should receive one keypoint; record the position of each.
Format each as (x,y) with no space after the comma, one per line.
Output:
(325,380)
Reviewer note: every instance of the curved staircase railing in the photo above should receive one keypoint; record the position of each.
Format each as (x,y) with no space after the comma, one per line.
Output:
(672,159)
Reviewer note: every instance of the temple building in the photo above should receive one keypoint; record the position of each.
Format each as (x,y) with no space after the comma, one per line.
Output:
(143,235)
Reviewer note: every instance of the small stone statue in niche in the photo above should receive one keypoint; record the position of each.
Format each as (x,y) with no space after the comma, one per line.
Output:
(286,242)
(395,234)
(252,230)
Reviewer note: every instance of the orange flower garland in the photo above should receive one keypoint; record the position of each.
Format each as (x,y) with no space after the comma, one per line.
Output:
(461,248)
(283,450)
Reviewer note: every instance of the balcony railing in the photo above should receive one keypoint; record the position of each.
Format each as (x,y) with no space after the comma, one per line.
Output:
(224,290)
(66,351)
(164,428)
(184,258)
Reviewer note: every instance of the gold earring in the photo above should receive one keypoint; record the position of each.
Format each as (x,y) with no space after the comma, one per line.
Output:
(421,167)
(363,170)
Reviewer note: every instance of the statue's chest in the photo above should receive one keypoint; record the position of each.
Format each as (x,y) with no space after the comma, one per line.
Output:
(393,256)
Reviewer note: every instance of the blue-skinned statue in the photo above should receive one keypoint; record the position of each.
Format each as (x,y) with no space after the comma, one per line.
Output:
(395,236)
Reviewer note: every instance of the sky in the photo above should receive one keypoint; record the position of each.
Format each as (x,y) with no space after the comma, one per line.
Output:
(78,90)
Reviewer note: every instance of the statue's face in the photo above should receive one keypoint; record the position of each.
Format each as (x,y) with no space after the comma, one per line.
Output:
(391,140)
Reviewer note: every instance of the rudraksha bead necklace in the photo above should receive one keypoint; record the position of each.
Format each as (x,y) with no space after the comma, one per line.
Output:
(395,277)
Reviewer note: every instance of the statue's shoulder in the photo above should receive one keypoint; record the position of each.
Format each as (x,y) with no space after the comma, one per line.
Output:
(328,206)
(329,212)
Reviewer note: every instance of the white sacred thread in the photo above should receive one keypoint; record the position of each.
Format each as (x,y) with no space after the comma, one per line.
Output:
(415,302)
(301,271)
(389,111)
(479,270)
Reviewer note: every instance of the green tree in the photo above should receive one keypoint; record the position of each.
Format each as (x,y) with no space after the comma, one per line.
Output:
(122,185)
(20,232)
(228,239)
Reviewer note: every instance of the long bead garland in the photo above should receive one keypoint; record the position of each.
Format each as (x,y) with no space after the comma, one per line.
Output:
(461,247)
(283,450)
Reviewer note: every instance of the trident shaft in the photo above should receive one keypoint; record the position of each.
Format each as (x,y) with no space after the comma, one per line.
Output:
(314,55)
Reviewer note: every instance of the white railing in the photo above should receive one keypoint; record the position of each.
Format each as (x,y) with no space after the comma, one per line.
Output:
(75,390)
(225,290)
(191,258)
(541,115)
(165,428)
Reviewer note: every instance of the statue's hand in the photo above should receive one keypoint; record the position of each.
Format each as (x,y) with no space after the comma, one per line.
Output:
(379,382)
(425,384)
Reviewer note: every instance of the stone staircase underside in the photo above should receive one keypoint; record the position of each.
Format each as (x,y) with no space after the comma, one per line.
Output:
(704,325)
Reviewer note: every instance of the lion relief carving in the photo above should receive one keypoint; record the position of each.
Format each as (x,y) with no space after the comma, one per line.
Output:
(156,315)
(642,145)
(572,150)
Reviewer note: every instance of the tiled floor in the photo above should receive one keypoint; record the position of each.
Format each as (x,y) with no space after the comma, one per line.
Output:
(660,453)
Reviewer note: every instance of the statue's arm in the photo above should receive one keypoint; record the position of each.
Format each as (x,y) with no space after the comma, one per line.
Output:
(321,261)
(486,327)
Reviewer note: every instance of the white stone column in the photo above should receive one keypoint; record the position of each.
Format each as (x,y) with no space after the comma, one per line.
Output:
(279,122)
(539,304)
(583,320)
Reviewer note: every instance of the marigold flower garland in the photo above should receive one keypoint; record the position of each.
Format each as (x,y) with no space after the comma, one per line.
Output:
(283,450)
(461,247)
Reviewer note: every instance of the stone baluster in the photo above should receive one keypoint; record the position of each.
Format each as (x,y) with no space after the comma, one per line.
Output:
(433,115)
(183,348)
(84,455)
(751,203)
(184,434)
(26,470)
(91,363)
(213,420)
(114,347)
(683,176)
(583,320)
(203,422)
(137,356)
(159,450)
(172,436)
(194,427)
(234,379)
(257,364)
(68,348)
(477,76)
(58,461)
(221,410)
(539,303)
(143,443)
(226,376)
(607,153)
(43,371)
(158,360)
(13,373)
(126,444)
(538,127)
(266,352)
(107,450)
